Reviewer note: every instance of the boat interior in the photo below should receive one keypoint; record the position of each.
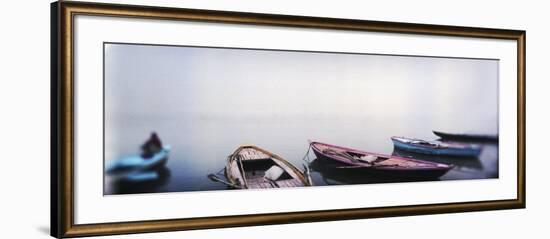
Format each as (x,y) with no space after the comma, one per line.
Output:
(262,171)
(371,159)
(255,170)
(352,156)
(424,143)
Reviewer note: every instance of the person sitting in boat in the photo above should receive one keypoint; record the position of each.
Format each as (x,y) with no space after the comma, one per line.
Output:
(151,146)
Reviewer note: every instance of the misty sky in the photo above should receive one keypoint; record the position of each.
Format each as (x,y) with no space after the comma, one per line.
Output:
(239,84)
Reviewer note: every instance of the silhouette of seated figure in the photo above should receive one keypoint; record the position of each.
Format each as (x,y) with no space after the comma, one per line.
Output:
(151,146)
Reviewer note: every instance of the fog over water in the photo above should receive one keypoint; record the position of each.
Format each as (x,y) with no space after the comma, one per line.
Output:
(205,102)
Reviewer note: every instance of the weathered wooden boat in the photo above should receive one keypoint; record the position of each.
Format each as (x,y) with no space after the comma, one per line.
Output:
(136,167)
(251,167)
(436,147)
(466,137)
(379,164)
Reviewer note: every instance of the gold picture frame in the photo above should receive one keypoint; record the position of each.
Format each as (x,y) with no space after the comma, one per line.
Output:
(62,128)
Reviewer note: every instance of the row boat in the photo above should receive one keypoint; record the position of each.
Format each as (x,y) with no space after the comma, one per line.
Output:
(466,137)
(436,147)
(380,164)
(137,167)
(251,167)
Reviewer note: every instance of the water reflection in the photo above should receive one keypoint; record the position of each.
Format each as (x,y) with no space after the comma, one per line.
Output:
(326,172)
(460,162)
(152,181)
(485,165)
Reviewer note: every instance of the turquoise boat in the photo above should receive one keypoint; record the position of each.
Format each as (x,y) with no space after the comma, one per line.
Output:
(138,168)
(436,147)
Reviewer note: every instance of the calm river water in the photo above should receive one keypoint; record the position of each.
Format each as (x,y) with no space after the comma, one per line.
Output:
(207,102)
(200,147)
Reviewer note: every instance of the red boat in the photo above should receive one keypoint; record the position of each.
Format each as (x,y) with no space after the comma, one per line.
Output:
(379,164)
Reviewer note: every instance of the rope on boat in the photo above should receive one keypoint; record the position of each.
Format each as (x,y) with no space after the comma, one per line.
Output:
(220,172)
(219,180)
(306,157)
(307,170)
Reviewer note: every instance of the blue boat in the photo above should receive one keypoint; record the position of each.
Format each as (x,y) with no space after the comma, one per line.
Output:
(436,147)
(138,168)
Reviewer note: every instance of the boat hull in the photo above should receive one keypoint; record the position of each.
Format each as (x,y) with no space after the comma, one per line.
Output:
(394,173)
(449,151)
(466,137)
(434,171)
(131,168)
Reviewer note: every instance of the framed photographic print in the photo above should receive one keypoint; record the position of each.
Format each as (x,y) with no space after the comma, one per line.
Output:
(172,119)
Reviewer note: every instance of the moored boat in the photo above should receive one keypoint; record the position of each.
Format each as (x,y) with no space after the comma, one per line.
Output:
(251,167)
(436,147)
(379,164)
(466,137)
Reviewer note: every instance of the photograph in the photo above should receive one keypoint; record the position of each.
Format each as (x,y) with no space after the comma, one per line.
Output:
(183,118)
